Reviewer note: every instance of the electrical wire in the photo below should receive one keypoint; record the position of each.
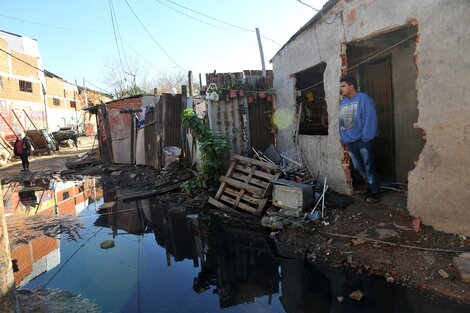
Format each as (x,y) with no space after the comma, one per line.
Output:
(221,21)
(308,6)
(50,26)
(120,37)
(44,71)
(70,258)
(151,36)
(115,36)
(192,17)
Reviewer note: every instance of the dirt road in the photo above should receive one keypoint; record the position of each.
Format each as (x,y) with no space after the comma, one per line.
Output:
(54,162)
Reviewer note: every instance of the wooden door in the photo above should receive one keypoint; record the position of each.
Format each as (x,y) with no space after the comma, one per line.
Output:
(376,81)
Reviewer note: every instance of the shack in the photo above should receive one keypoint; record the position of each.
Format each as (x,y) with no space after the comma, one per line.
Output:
(411,58)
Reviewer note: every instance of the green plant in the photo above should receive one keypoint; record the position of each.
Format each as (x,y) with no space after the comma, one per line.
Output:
(213,148)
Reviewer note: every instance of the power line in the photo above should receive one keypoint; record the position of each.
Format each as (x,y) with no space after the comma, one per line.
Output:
(119,35)
(192,17)
(221,21)
(308,5)
(115,36)
(153,38)
(51,26)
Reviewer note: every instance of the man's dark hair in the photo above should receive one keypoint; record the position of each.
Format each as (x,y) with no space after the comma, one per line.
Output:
(350,80)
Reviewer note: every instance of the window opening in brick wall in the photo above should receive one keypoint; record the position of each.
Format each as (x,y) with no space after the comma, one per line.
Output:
(65,195)
(311,95)
(73,104)
(25,86)
(56,101)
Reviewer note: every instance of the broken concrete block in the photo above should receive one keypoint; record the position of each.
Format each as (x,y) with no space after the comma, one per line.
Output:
(443,274)
(358,241)
(116,173)
(465,255)
(356,295)
(107,205)
(463,268)
(132,175)
(107,244)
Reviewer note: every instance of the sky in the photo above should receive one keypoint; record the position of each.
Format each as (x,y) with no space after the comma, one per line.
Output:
(76,37)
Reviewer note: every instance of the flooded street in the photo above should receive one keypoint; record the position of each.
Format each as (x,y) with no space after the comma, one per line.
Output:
(147,256)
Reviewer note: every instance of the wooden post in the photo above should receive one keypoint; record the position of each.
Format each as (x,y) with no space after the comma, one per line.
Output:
(200,83)
(190,83)
(133,127)
(263,66)
(8,302)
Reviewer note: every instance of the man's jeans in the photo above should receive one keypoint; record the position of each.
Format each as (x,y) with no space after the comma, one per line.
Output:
(362,157)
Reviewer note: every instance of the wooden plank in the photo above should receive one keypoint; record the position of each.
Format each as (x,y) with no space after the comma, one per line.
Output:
(107,205)
(240,205)
(245,198)
(253,181)
(170,187)
(247,180)
(222,186)
(246,169)
(221,206)
(254,162)
(238,184)
(131,195)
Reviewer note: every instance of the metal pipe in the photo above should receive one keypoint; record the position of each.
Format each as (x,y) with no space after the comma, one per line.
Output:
(18,119)
(8,125)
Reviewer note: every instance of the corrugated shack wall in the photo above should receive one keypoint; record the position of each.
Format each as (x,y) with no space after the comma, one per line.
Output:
(120,127)
(246,125)
(172,109)
(227,118)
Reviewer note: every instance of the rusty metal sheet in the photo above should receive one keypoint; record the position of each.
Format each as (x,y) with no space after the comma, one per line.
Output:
(228,118)
(260,124)
(172,107)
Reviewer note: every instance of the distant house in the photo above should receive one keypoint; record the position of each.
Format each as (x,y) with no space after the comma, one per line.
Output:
(64,108)
(412,58)
(21,84)
(27,88)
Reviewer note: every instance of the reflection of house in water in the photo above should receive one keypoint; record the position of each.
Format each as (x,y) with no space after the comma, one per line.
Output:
(34,258)
(48,196)
(42,254)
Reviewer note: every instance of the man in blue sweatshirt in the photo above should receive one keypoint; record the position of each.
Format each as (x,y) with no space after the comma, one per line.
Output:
(358,129)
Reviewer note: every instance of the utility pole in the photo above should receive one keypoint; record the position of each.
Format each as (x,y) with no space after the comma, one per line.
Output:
(190,83)
(86,93)
(133,128)
(263,67)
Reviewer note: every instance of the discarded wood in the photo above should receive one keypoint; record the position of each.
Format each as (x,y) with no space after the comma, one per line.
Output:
(167,188)
(77,164)
(107,205)
(131,195)
(244,186)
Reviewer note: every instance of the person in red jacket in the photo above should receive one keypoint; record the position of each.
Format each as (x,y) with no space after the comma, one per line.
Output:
(22,149)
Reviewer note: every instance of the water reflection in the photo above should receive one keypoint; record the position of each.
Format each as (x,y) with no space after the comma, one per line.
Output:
(37,252)
(165,260)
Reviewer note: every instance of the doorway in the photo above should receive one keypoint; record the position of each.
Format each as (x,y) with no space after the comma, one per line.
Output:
(385,68)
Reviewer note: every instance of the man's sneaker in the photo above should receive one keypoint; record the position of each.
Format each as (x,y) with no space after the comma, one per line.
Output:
(373,197)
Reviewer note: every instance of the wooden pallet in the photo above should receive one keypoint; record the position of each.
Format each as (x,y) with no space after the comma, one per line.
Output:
(246,185)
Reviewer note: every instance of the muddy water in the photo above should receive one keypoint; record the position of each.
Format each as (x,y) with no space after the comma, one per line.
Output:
(144,257)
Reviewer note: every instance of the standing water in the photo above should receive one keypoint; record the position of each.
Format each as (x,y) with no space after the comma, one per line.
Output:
(146,257)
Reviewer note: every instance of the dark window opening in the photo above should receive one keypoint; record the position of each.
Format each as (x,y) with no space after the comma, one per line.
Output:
(311,100)
(26,86)
(56,101)
(73,104)
(65,195)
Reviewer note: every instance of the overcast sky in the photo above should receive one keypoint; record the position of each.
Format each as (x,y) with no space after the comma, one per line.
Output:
(77,40)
